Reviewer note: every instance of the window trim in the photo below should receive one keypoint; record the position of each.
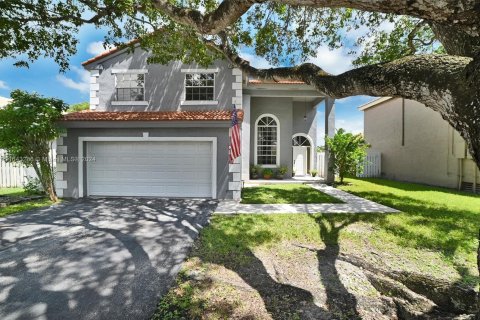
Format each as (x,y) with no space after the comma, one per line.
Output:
(126,102)
(216,70)
(137,71)
(256,141)
(198,102)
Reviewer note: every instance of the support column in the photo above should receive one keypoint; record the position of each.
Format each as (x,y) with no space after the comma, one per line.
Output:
(246,138)
(61,166)
(235,169)
(329,132)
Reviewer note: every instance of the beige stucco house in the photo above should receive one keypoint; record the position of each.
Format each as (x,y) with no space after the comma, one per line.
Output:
(417,145)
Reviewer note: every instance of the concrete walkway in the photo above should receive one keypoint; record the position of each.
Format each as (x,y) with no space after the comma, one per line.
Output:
(353,204)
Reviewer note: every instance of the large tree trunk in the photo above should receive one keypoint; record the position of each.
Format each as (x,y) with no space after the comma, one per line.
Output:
(45,175)
(47,180)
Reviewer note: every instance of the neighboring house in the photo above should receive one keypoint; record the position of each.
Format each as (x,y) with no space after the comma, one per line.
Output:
(163,130)
(4,101)
(417,145)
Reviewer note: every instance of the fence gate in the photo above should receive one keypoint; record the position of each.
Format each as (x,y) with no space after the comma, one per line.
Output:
(372,166)
(321,164)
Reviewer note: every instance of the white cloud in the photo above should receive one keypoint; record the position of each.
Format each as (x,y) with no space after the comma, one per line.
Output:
(82,84)
(354,100)
(255,61)
(334,61)
(3,85)
(97,48)
(350,125)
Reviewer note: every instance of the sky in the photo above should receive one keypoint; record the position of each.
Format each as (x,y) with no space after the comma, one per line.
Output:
(73,86)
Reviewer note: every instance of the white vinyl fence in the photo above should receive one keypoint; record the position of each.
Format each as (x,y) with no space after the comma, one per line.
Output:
(321,164)
(13,175)
(372,165)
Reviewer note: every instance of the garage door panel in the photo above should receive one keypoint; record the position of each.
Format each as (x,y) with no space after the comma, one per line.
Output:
(164,169)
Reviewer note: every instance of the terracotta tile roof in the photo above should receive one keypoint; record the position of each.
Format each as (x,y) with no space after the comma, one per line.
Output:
(281,81)
(212,115)
(108,52)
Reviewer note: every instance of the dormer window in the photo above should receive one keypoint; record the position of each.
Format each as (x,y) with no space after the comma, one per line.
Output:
(130,86)
(199,86)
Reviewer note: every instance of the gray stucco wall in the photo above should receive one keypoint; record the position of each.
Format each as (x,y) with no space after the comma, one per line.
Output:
(291,116)
(164,84)
(426,156)
(71,141)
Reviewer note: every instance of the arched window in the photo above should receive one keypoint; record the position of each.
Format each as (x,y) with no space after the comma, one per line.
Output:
(301,141)
(267,142)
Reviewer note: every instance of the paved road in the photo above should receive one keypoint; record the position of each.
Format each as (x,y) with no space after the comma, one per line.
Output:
(95,258)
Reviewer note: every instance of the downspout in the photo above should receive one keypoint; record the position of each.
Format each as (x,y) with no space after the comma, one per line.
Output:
(475,171)
(460,174)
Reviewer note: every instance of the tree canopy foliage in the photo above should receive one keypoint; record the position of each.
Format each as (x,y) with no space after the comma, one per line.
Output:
(28,125)
(79,107)
(280,31)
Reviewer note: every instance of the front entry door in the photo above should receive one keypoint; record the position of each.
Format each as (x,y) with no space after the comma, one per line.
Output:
(300,160)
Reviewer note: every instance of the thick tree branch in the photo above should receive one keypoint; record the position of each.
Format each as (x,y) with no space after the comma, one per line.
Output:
(409,77)
(227,13)
(451,12)
(412,34)
(455,40)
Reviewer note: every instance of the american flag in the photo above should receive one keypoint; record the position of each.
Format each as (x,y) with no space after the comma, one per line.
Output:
(234,150)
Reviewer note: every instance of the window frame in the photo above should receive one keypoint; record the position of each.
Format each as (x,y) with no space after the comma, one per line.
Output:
(199,72)
(129,72)
(256,141)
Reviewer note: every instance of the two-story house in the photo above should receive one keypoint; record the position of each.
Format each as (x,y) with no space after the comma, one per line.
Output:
(163,130)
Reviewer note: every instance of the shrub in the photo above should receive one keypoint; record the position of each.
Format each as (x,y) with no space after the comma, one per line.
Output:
(33,185)
(313,173)
(267,172)
(282,170)
(347,153)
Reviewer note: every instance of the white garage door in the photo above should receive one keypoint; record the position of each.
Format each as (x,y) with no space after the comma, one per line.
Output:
(150,168)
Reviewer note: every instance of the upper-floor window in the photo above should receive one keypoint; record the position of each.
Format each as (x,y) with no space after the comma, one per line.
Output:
(199,86)
(130,86)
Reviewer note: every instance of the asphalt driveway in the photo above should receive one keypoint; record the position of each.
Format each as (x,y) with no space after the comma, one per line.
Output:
(95,258)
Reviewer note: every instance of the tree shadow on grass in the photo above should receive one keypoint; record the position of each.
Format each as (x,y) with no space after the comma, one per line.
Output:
(339,300)
(233,250)
(420,225)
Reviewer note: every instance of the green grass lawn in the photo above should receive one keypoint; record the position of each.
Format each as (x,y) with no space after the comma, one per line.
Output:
(441,220)
(435,235)
(29,205)
(12,192)
(285,193)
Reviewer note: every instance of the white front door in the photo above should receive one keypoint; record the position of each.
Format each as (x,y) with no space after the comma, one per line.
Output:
(300,160)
